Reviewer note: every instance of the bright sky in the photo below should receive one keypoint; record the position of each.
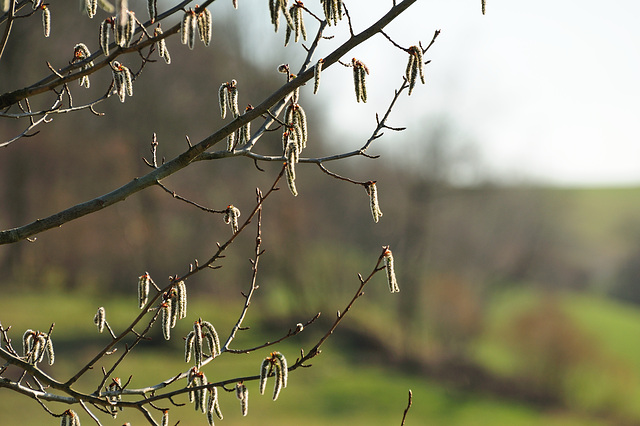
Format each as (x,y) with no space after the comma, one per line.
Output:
(547,90)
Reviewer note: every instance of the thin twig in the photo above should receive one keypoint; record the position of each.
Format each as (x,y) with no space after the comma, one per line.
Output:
(7,30)
(377,133)
(93,416)
(223,247)
(340,316)
(406,410)
(300,362)
(193,203)
(433,40)
(25,134)
(183,160)
(254,276)
(393,42)
(337,176)
(292,332)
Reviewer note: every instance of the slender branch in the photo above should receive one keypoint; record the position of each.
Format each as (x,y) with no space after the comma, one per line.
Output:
(37,395)
(52,81)
(151,303)
(377,133)
(299,363)
(257,209)
(393,42)
(176,196)
(340,316)
(337,176)
(147,415)
(7,30)
(254,276)
(45,408)
(43,119)
(7,340)
(224,246)
(406,410)
(93,416)
(145,310)
(346,12)
(183,160)
(433,40)
(272,105)
(277,109)
(290,333)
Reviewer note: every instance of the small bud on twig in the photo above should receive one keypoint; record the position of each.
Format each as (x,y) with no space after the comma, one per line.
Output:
(80,53)
(231,215)
(125,28)
(332,10)
(91,7)
(163,52)
(228,97)
(152,6)
(122,79)
(391,274)
(202,330)
(277,363)
(360,70)
(46,20)
(204,26)
(143,289)
(69,418)
(213,406)
(242,393)
(188,28)
(372,191)
(100,318)
(181,290)
(316,75)
(414,67)
(104,35)
(166,318)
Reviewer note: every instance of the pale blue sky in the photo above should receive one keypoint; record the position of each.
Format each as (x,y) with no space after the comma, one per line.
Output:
(547,90)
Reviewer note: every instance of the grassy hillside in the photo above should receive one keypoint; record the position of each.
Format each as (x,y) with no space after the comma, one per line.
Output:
(335,391)
(599,358)
(581,346)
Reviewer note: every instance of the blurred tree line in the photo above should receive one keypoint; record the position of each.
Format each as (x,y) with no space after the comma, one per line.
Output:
(454,244)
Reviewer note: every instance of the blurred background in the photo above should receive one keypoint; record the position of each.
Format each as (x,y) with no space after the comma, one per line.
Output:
(511,204)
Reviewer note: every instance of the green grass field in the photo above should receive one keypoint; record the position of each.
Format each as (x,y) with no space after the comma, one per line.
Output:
(335,390)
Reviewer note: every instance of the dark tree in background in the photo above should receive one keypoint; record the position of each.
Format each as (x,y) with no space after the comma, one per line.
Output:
(92,67)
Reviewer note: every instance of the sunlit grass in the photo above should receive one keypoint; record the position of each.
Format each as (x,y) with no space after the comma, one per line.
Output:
(337,390)
(607,379)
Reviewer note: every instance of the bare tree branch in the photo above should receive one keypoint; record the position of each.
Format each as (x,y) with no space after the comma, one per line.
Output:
(406,410)
(183,160)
